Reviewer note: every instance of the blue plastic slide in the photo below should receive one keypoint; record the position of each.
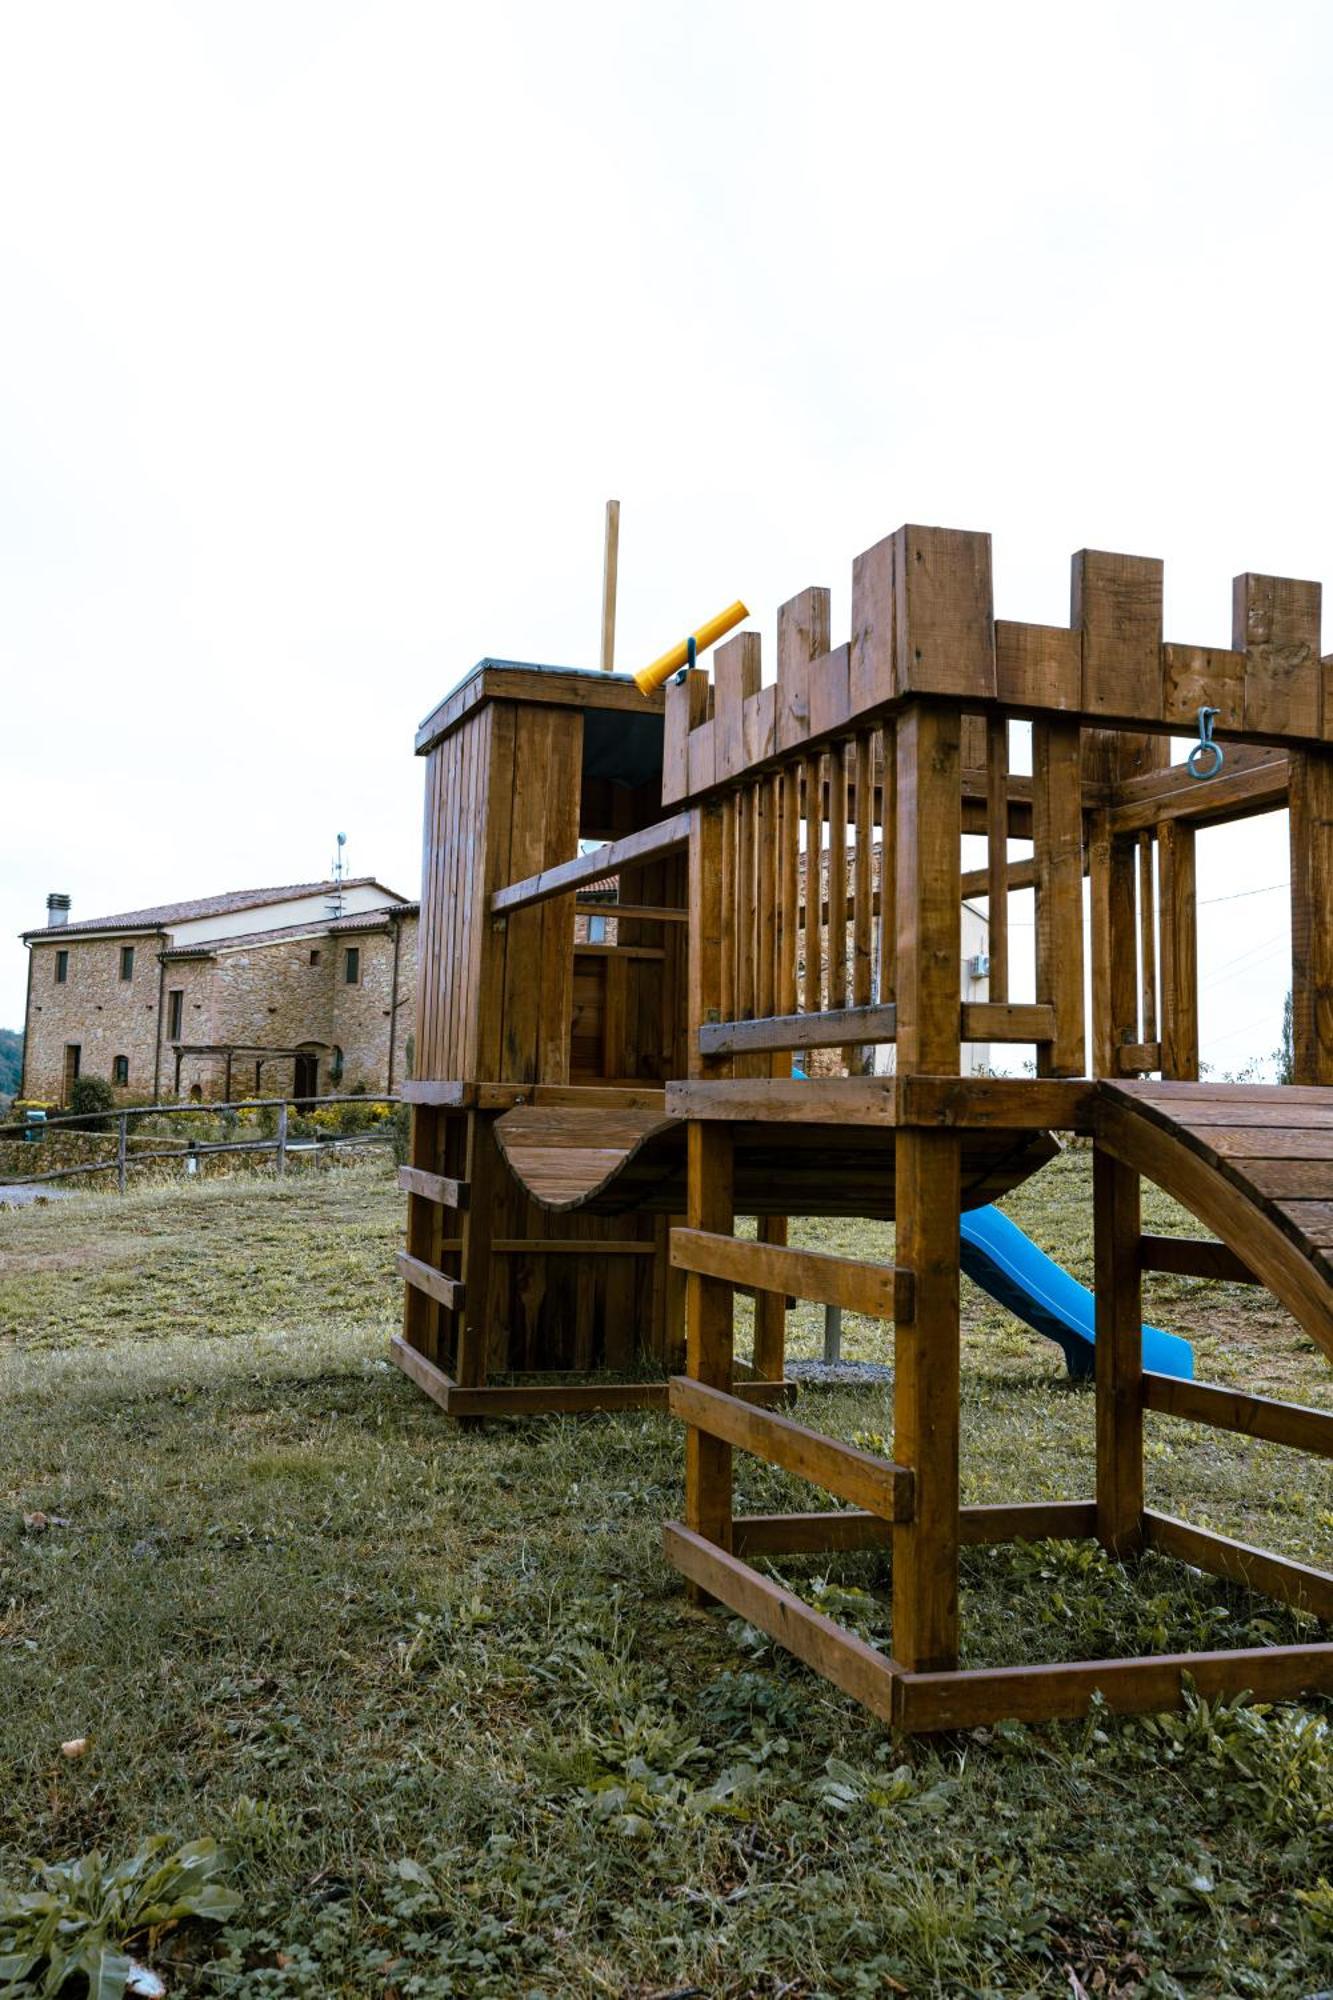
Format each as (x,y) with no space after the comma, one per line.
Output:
(1029,1284)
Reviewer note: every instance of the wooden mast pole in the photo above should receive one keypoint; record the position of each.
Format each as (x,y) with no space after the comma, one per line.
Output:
(609,569)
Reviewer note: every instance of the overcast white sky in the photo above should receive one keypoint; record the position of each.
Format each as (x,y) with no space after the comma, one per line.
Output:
(326,330)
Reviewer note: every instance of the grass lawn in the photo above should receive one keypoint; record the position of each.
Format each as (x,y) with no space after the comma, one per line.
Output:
(449,1713)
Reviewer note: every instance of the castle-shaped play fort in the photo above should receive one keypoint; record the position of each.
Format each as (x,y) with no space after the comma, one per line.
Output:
(596,1103)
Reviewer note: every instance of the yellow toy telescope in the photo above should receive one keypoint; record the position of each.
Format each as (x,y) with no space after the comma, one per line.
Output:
(648,679)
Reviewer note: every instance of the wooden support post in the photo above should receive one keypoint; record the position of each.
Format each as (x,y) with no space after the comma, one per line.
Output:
(1180,951)
(770,1312)
(1311,823)
(813,985)
(1119,1354)
(928,1198)
(708,1334)
(282,1138)
(610,571)
(832,1334)
(709,825)
(1147,940)
(1114,1001)
(1057,832)
(477,1233)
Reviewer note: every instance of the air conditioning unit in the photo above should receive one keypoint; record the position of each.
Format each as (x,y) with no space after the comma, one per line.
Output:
(978,965)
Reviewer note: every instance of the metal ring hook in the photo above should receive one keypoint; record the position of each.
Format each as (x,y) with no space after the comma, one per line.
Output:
(1205,748)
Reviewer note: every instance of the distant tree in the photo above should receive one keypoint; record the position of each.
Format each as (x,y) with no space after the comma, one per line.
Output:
(11,1062)
(1284,1055)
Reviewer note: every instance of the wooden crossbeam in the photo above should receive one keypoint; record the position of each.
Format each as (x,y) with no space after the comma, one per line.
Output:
(435,1284)
(649,844)
(522,1399)
(1193,1257)
(1046,1693)
(979,1021)
(439,1188)
(1290,1582)
(857,1286)
(840,1656)
(1234,1410)
(843,1469)
(852,1528)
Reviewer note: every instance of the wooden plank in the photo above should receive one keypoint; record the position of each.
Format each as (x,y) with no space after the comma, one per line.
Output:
(1290,1582)
(929,835)
(1137,1058)
(1111,902)
(1235,1410)
(423,1371)
(1254,781)
(997,1103)
(853,1528)
(799,1031)
(737,673)
(728,999)
(1275,621)
(434,1187)
(888,864)
(766,798)
(928,1702)
(1038,666)
(1117,606)
(1311,845)
(871,675)
(709,825)
(863,937)
(803,636)
(1179,937)
(944,637)
(668,836)
(1147,940)
(741,914)
(857,1286)
(709,1333)
(552,687)
(686,708)
(831,1100)
(835,1653)
(813,795)
(997,855)
(830,701)
(838,774)
(1195,677)
(1193,1257)
(1058,857)
(420,1316)
(862,1477)
(926,1396)
(1117,1229)
(1008,1021)
(770,1311)
(789,889)
(446,1291)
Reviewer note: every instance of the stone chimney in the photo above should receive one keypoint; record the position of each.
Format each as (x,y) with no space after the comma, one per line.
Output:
(57,910)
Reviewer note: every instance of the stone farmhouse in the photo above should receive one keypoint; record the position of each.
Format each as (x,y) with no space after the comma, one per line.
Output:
(305,991)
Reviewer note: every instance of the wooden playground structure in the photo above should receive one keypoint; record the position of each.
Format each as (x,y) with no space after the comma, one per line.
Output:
(590,1118)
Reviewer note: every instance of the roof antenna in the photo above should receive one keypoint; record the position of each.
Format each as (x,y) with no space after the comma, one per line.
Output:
(339,873)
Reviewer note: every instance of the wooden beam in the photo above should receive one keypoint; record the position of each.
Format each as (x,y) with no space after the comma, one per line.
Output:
(610,571)
(438,1188)
(1119,1353)
(441,1096)
(832,1651)
(997,1103)
(1290,1582)
(849,1528)
(1234,1410)
(529,1399)
(862,1477)
(804,1274)
(1050,1693)
(446,1291)
(1193,1257)
(668,836)
(825,1100)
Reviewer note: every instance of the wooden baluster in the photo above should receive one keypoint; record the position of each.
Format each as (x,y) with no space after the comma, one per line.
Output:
(837,874)
(709,1333)
(727,1000)
(1147,940)
(863,888)
(1114,1007)
(1180,951)
(744,905)
(789,936)
(888,870)
(997,854)
(814,885)
(1057,849)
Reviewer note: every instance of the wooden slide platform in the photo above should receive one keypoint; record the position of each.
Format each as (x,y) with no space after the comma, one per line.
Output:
(1254,1162)
(608,1162)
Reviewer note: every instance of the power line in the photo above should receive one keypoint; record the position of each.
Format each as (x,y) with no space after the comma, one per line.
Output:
(1268,890)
